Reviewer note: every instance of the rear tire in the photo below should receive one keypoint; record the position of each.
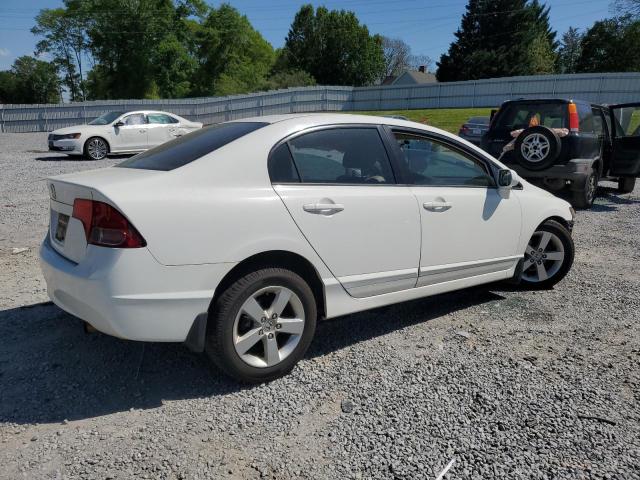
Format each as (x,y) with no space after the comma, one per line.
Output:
(253,332)
(626,184)
(585,197)
(548,257)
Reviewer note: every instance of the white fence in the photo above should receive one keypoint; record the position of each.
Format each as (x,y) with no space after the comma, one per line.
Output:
(596,88)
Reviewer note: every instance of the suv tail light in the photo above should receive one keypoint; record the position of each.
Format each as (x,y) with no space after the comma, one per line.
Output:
(105,226)
(574,121)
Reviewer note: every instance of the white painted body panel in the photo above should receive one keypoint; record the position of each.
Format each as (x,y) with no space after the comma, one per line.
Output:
(207,216)
(376,235)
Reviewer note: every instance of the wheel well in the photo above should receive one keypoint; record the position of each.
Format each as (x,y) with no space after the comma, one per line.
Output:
(281,259)
(561,221)
(84,147)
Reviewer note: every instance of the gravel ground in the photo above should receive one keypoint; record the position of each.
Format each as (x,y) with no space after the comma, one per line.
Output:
(508,383)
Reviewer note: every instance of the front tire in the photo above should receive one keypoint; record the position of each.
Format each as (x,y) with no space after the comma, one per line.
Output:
(96,148)
(548,257)
(626,184)
(261,325)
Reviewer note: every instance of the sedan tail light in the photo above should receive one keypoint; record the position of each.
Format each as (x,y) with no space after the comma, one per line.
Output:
(105,226)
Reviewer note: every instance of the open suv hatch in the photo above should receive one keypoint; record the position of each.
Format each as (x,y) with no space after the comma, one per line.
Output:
(568,144)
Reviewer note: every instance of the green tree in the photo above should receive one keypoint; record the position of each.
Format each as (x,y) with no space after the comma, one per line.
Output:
(65,39)
(570,50)
(611,46)
(7,86)
(31,81)
(500,38)
(288,79)
(232,57)
(333,47)
(142,46)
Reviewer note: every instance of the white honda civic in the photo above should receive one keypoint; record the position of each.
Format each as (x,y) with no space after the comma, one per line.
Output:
(237,238)
(120,132)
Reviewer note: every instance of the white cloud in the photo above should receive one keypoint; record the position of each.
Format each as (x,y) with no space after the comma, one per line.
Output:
(4,52)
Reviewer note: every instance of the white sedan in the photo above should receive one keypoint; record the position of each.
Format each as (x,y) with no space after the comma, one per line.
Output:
(120,132)
(236,238)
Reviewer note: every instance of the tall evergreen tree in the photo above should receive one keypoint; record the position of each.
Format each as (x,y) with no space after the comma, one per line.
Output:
(500,38)
(570,50)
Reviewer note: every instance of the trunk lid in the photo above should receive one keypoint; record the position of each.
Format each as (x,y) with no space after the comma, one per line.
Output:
(67,234)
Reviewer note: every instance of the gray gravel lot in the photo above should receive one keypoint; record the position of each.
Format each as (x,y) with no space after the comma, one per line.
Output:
(510,384)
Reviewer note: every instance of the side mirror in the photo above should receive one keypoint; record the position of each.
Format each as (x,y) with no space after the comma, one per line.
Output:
(119,124)
(507,178)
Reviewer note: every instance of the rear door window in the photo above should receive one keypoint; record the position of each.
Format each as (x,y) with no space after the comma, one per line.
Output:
(342,155)
(186,149)
(161,118)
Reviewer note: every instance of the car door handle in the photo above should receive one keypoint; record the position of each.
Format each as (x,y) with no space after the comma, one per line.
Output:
(437,206)
(323,208)
(143,131)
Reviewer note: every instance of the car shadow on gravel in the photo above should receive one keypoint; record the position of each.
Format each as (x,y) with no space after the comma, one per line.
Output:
(51,371)
(75,158)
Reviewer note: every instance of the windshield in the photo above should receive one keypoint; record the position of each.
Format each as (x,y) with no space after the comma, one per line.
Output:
(105,118)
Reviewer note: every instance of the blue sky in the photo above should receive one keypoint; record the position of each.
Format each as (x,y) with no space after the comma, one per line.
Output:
(426,25)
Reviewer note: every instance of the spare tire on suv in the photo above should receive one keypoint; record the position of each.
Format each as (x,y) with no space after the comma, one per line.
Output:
(537,148)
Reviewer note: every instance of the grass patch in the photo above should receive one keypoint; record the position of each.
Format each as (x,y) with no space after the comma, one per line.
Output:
(449,119)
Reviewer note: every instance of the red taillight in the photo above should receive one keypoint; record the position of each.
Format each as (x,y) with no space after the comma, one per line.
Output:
(105,226)
(574,121)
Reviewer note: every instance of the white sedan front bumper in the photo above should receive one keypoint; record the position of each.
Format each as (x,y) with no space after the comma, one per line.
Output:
(68,145)
(128,294)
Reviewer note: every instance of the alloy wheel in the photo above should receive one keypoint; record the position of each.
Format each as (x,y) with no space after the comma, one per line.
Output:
(268,326)
(535,147)
(543,257)
(97,149)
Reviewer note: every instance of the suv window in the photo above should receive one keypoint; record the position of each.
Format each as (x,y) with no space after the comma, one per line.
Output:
(517,116)
(598,125)
(161,118)
(430,162)
(342,155)
(186,149)
(585,117)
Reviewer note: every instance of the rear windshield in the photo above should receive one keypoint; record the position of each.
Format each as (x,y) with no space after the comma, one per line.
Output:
(183,150)
(515,116)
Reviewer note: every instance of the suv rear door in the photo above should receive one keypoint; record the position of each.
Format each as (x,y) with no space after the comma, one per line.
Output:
(625,160)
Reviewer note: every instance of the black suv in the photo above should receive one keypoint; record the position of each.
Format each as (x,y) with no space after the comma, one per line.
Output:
(568,144)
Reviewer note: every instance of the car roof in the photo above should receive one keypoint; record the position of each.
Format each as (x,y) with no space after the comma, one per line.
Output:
(549,100)
(312,119)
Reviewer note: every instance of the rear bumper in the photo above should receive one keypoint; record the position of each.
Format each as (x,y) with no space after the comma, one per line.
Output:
(575,170)
(128,294)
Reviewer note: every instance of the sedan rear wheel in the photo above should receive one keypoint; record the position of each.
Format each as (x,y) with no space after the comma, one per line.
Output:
(262,325)
(96,148)
(549,255)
